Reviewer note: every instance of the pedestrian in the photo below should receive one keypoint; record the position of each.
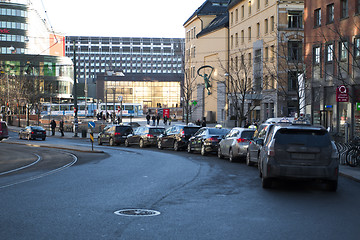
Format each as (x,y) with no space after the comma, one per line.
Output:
(169,120)
(53,127)
(203,123)
(148,118)
(165,120)
(158,119)
(61,127)
(153,118)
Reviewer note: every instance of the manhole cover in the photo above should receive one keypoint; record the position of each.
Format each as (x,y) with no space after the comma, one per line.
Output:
(137,212)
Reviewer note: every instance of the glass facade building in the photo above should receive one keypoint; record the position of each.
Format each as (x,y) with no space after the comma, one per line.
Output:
(141,70)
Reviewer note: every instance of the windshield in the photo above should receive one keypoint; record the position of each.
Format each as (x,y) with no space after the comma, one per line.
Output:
(38,128)
(190,130)
(247,134)
(218,131)
(309,138)
(156,130)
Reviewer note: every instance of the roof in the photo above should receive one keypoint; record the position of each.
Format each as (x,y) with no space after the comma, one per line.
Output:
(233,3)
(219,22)
(210,7)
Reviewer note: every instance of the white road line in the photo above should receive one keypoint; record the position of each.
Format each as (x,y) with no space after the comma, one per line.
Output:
(20,168)
(44,174)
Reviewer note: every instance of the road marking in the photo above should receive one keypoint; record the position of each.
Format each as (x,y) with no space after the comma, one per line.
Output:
(44,174)
(20,168)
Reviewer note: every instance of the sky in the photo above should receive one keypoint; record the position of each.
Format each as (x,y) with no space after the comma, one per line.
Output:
(118,18)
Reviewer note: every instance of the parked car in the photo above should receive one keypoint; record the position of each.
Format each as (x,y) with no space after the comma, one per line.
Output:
(114,134)
(280,119)
(177,137)
(32,132)
(144,136)
(206,140)
(298,151)
(235,144)
(3,130)
(253,150)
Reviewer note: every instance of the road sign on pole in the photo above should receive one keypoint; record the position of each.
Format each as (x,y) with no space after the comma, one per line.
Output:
(91,124)
(358,106)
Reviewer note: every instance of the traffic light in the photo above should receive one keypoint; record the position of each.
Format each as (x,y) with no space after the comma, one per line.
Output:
(75,111)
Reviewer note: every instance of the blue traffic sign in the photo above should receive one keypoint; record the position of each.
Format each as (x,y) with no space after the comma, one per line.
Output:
(91,124)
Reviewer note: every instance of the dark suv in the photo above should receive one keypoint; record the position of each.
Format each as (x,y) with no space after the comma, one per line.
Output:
(144,136)
(3,130)
(298,151)
(114,134)
(177,137)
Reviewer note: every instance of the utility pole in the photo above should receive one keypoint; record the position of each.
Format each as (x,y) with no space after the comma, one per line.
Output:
(76,122)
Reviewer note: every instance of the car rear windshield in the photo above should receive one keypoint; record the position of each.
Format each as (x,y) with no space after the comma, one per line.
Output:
(247,134)
(218,131)
(156,130)
(309,138)
(122,129)
(38,128)
(190,130)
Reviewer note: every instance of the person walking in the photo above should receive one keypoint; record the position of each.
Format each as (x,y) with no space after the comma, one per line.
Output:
(165,119)
(157,119)
(61,127)
(53,127)
(153,118)
(148,118)
(169,121)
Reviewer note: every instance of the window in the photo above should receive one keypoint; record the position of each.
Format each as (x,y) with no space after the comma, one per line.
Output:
(357,47)
(272,23)
(236,15)
(266,25)
(232,41)
(242,36)
(242,12)
(317,17)
(257,56)
(316,55)
(258,30)
(236,64)
(249,7)
(236,39)
(344,8)
(330,13)
(294,51)
(272,52)
(357,6)
(295,20)
(343,51)
(292,80)
(329,52)
(266,2)
(266,53)
(249,34)
(258,4)
(232,18)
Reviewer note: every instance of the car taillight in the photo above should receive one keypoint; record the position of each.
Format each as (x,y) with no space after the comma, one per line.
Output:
(241,140)
(212,139)
(182,133)
(149,135)
(32,132)
(117,134)
(271,149)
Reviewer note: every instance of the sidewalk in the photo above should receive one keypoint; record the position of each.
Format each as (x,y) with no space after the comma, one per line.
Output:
(346,171)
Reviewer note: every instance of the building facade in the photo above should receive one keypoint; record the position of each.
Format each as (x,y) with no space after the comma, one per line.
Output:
(141,70)
(26,56)
(206,45)
(266,62)
(332,54)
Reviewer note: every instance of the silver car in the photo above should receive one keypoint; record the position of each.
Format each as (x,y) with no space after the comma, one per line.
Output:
(235,143)
(298,151)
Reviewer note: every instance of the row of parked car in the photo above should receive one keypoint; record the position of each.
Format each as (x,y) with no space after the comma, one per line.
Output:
(281,148)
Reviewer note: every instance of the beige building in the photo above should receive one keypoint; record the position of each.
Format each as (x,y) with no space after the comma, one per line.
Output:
(206,44)
(266,38)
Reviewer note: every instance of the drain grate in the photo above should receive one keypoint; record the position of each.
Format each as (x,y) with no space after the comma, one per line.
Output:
(137,212)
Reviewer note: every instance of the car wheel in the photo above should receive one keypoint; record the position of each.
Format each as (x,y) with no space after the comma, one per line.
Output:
(99,141)
(159,145)
(127,143)
(176,146)
(141,143)
(248,162)
(43,138)
(220,154)
(332,185)
(20,136)
(189,150)
(203,150)
(266,182)
(231,156)
(111,142)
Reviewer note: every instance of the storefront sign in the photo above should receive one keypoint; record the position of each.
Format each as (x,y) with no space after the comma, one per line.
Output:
(4,30)
(166,112)
(358,106)
(342,94)
(328,106)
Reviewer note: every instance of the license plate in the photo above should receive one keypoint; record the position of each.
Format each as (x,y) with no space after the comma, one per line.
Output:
(305,156)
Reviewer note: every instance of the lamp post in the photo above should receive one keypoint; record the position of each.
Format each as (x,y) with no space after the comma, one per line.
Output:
(76,126)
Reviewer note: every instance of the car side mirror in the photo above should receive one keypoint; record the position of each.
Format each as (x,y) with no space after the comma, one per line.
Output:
(260,142)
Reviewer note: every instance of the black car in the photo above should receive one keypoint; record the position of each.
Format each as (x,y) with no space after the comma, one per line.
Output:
(32,132)
(114,134)
(206,140)
(144,136)
(177,137)
(3,130)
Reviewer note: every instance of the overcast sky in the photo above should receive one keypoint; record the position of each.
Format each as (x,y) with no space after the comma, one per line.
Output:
(119,18)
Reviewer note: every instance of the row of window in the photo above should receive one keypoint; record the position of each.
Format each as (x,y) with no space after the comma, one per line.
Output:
(242,10)
(133,59)
(330,12)
(82,75)
(70,53)
(13,12)
(191,34)
(82,64)
(344,50)
(7,50)
(121,45)
(12,38)
(14,25)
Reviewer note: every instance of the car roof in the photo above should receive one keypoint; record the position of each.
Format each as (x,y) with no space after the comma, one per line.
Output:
(244,129)
(299,126)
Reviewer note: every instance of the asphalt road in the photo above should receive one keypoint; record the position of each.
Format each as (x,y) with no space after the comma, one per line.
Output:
(197,197)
